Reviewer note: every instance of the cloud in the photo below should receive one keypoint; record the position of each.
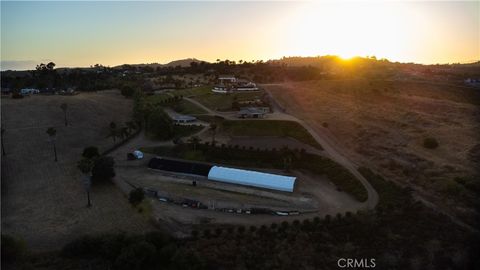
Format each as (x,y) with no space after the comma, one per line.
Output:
(18,65)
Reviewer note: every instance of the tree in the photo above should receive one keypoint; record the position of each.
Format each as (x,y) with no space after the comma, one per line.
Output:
(64,108)
(3,147)
(90,152)
(160,124)
(52,134)
(131,125)
(430,143)
(139,255)
(103,169)
(136,196)
(287,158)
(127,91)
(213,129)
(112,131)
(194,140)
(85,165)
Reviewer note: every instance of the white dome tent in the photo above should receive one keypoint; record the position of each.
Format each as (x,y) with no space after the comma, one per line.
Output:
(252,178)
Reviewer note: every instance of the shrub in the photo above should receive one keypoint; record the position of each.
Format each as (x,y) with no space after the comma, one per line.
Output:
(103,169)
(273,226)
(12,249)
(160,125)
(17,95)
(430,143)
(90,152)
(136,196)
(127,91)
(139,255)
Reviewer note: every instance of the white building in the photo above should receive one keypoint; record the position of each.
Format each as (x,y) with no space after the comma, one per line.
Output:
(252,178)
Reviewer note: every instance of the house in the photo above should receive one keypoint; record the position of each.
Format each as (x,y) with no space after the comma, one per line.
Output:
(253,112)
(182,119)
(472,82)
(229,83)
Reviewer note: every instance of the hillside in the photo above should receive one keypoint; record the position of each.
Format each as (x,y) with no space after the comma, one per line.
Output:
(383,125)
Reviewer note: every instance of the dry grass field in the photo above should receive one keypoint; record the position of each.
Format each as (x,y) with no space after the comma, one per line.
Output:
(382,125)
(44,201)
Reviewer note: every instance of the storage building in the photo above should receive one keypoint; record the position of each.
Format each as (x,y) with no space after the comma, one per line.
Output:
(252,178)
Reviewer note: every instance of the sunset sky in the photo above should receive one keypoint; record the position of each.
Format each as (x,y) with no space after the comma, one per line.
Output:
(112,33)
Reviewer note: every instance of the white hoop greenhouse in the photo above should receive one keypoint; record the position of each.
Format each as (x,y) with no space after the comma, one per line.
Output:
(252,178)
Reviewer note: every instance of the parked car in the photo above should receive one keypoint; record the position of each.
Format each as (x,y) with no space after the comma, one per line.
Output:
(29,91)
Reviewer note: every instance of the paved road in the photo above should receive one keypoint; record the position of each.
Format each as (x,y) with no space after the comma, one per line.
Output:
(331,149)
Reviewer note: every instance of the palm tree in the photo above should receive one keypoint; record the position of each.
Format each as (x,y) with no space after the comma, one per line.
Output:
(113,132)
(213,128)
(131,125)
(64,108)
(124,132)
(287,157)
(3,147)
(85,165)
(52,132)
(194,140)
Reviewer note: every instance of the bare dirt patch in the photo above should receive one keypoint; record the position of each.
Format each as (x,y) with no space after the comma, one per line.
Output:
(313,196)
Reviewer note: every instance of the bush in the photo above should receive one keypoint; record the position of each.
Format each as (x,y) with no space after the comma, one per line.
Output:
(103,169)
(139,255)
(160,125)
(90,152)
(430,143)
(136,196)
(127,91)
(12,249)
(17,95)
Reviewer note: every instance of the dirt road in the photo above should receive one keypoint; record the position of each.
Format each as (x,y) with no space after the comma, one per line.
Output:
(332,150)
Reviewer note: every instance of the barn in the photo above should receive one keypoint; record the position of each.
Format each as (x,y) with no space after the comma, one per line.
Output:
(252,178)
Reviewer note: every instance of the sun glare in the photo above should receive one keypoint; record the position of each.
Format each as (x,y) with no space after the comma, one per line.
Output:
(346,30)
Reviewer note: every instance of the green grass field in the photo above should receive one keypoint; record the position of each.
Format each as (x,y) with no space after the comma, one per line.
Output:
(269,128)
(191,92)
(223,102)
(186,107)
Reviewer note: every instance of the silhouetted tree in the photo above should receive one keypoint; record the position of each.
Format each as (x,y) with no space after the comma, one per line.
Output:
(52,132)
(213,129)
(90,152)
(194,140)
(103,169)
(136,196)
(64,108)
(113,131)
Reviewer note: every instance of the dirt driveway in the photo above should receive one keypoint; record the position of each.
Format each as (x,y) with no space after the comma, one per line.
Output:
(44,201)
